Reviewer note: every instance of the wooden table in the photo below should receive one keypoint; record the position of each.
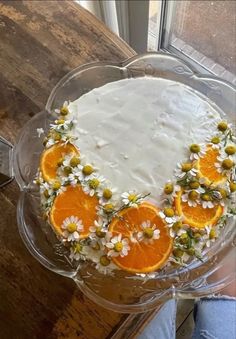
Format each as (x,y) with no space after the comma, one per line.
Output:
(40,41)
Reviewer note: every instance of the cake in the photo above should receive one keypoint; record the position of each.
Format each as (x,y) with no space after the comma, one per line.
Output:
(138,174)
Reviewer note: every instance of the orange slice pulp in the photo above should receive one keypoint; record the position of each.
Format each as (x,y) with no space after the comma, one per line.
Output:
(206,167)
(142,257)
(198,216)
(74,202)
(51,157)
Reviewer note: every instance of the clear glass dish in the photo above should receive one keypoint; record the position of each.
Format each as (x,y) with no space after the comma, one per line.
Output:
(123,292)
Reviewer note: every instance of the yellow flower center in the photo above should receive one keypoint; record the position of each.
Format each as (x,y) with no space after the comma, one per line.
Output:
(71,227)
(227,164)
(87,170)
(99,232)
(60,121)
(212,234)
(177,226)
(46,194)
(223,193)
(74,161)
(215,140)
(169,188)
(118,246)
(148,232)
(193,195)
(104,260)
(206,197)
(56,136)
(107,194)
(186,167)
(132,198)
(222,126)
(94,183)
(184,238)
(230,150)
(67,170)
(178,253)
(169,212)
(78,248)
(108,208)
(56,185)
(64,111)
(195,148)
(60,162)
(194,184)
(232,186)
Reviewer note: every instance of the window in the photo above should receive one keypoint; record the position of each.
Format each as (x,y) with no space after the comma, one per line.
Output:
(202,32)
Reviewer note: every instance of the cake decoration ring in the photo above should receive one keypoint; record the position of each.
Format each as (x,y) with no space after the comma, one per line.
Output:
(137,231)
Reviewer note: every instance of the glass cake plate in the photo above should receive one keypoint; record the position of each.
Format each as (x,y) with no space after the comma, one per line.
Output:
(122,292)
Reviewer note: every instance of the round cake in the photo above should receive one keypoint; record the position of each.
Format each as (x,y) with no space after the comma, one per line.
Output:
(138,174)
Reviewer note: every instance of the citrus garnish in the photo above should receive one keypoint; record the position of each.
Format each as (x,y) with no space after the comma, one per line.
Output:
(207,169)
(52,156)
(74,202)
(143,256)
(197,216)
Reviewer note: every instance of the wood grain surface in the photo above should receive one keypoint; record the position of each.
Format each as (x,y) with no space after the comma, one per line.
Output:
(40,41)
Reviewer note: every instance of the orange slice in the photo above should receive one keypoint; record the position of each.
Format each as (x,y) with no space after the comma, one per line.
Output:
(206,167)
(74,202)
(198,216)
(51,156)
(142,257)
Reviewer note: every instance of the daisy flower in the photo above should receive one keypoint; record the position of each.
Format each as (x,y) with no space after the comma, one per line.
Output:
(106,193)
(72,226)
(191,197)
(85,172)
(131,198)
(214,142)
(46,189)
(92,185)
(185,168)
(170,190)
(224,165)
(77,252)
(149,232)
(118,246)
(73,179)
(168,215)
(64,109)
(210,236)
(104,264)
(98,230)
(207,201)
(197,151)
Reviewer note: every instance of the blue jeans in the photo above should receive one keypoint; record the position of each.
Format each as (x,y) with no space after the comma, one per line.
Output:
(215,318)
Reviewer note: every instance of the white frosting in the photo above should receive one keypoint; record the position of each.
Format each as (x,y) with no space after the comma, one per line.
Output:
(136,130)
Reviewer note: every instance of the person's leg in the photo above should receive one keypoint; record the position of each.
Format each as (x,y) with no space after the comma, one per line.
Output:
(215,318)
(162,325)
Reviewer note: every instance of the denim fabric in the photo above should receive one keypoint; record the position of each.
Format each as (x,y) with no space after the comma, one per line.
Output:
(162,325)
(215,318)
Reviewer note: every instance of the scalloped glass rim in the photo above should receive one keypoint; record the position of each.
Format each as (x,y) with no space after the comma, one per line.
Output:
(152,64)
